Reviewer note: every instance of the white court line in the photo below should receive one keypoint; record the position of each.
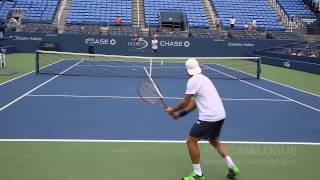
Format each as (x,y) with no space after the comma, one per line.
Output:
(291,87)
(28,73)
(151,141)
(169,67)
(137,97)
(272,81)
(264,89)
(42,84)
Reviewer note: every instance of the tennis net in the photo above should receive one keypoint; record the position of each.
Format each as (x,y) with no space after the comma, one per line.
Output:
(80,64)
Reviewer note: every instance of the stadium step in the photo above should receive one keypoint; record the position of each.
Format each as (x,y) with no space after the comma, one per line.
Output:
(138,13)
(281,14)
(212,18)
(58,12)
(63,15)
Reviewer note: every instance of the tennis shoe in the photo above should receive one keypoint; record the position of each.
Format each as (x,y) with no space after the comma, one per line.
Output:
(233,172)
(193,176)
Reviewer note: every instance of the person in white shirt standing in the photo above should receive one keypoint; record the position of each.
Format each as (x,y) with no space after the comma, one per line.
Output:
(201,93)
(232,22)
(154,45)
(254,24)
(3,58)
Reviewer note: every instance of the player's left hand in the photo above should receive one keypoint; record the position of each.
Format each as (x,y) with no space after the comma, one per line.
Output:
(172,113)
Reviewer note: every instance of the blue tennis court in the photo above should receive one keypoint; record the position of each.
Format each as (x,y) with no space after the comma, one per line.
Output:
(44,106)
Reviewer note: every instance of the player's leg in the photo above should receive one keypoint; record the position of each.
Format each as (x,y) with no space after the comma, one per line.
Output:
(222,150)
(193,148)
(197,131)
(194,153)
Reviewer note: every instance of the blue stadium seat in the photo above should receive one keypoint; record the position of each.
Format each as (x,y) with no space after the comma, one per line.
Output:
(295,9)
(245,11)
(40,11)
(99,12)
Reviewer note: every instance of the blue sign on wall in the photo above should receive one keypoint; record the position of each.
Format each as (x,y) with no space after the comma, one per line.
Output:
(168,47)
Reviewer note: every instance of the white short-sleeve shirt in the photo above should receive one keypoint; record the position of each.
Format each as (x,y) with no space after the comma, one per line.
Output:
(154,44)
(206,97)
(232,21)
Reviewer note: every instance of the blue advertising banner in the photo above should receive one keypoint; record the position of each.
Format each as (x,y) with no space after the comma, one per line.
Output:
(168,47)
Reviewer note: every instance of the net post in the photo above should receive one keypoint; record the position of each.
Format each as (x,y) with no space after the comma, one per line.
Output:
(258,67)
(37,66)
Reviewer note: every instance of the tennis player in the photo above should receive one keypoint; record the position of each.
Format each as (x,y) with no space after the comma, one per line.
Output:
(201,93)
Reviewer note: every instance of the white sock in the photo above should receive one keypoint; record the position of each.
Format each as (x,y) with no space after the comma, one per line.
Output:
(230,163)
(197,169)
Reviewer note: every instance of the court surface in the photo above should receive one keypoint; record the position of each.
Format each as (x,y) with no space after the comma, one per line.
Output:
(83,111)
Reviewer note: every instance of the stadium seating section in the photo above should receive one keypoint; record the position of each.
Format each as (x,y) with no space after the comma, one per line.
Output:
(5,7)
(99,12)
(295,9)
(193,9)
(36,11)
(39,15)
(245,11)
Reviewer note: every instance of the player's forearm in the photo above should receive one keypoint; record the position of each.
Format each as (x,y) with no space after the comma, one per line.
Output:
(181,105)
(192,106)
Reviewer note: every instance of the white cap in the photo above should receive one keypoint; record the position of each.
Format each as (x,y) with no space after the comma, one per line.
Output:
(193,67)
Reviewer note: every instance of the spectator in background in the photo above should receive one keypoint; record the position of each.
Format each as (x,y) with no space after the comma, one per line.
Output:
(279,20)
(135,37)
(82,29)
(3,58)
(232,22)
(293,53)
(313,54)
(300,53)
(13,24)
(247,26)
(118,21)
(154,44)
(254,24)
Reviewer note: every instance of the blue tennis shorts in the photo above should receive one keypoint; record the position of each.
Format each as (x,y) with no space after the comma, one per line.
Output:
(206,130)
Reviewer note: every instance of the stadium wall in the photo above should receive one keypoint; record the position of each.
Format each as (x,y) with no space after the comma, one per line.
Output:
(307,64)
(168,47)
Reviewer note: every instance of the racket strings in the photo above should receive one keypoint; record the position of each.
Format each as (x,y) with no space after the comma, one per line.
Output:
(148,93)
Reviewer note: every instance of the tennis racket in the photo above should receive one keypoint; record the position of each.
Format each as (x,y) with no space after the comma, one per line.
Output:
(149,92)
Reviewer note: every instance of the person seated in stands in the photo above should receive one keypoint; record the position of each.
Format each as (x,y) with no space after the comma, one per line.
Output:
(13,24)
(82,29)
(300,53)
(279,20)
(217,22)
(118,21)
(232,22)
(293,53)
(168,30)
(247,26)
(313,54)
